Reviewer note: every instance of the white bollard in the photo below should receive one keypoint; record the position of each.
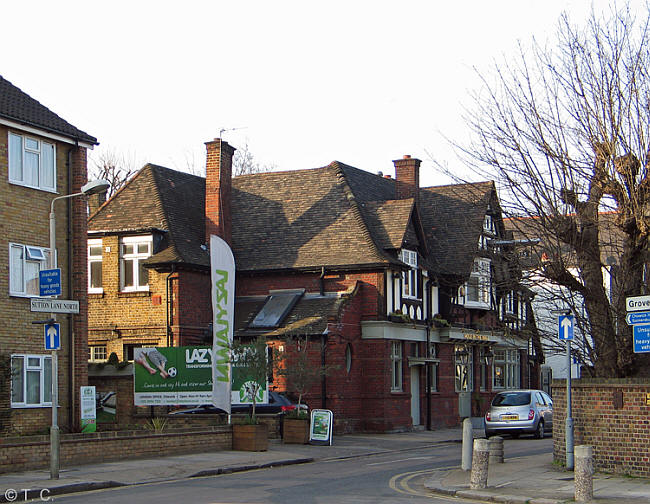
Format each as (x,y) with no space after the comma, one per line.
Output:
(468,437)
(583,473)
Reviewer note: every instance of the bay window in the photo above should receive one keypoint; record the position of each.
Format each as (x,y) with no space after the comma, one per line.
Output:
(506,370)
(478,288)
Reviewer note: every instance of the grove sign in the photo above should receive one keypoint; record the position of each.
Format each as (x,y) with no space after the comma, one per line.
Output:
(637,303)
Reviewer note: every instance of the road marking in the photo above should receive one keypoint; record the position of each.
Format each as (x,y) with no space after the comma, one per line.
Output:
(398,460)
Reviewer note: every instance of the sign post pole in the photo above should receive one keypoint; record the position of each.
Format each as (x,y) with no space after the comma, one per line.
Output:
(569,418)
(54,430)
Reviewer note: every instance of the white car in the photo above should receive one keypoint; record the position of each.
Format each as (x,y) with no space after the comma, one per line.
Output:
(516,412)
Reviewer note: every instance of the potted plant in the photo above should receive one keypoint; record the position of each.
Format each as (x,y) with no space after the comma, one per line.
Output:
(249,434)
(300,373)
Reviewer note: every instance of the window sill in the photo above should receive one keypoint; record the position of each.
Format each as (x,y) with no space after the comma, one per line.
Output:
(44,189)
(476,304)
(31,406)
(127,294)
(96,294)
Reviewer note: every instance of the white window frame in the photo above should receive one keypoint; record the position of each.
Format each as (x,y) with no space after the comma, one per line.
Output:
(97,353)
(18,162)
(507,366)
(410,278)
(463,370)
(31,257)
(481,278)
(137,258)
(433,368)
(396,366)
(44,380)
(489,225)
(94,243)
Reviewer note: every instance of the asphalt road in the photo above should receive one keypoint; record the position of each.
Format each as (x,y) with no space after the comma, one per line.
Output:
(387,478)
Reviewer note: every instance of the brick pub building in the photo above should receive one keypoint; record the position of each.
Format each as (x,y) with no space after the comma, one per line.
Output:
(412,292)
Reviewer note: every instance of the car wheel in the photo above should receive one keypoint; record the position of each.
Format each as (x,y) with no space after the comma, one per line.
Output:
(539,433)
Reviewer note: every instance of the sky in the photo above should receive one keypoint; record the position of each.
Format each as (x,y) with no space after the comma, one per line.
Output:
(302,83)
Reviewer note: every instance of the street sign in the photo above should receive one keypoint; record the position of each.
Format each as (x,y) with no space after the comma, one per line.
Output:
(50,282)
(642,338)
(637,303)
(53,305)
(565,327)
(52,336)
(636,318)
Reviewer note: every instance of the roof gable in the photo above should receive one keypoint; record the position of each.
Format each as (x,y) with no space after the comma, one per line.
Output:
(18,106)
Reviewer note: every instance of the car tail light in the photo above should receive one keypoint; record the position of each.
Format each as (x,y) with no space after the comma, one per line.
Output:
(488,417)
(288,408)
(531,414)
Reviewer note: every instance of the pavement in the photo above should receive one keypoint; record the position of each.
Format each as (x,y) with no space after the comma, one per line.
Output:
(534,479)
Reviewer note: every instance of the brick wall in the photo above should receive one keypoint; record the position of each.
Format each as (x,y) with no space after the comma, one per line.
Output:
(612,416)
(24,453)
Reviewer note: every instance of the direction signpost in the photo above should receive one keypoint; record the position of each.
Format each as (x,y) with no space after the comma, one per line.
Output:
(565,325)
(638,316)
(52,336)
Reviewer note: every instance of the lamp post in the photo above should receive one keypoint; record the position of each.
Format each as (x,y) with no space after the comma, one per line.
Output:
(93,187)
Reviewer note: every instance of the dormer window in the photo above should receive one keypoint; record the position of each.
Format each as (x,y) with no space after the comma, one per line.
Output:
(410,278)
(478,288)
(489,225)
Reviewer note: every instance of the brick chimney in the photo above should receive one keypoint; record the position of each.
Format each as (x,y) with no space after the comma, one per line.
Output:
(218,189)
(407,176)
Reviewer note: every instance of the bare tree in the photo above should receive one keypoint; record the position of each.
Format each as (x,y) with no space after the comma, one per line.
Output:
(564,130)
(113,166)
(243,163)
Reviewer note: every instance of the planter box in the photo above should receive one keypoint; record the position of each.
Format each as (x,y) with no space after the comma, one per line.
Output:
(250,437)
(295,430)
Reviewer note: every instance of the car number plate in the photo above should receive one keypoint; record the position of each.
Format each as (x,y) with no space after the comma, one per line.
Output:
(509,417)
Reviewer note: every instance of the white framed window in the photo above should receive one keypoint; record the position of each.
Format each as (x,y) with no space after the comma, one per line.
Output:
(25,261)
(32,162)
(95,283)
(464,381)
(97,353)
(433,368)
(508,304)
(410,278)
(478,288)
(489,225)
(31,381)
(506,369)
(133,251)
(396,366)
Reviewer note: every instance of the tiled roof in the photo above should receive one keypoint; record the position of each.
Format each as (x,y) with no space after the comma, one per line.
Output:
(389,221)
(452,217)
(19,107)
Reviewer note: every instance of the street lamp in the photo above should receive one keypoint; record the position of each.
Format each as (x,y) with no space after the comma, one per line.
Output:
(93,187)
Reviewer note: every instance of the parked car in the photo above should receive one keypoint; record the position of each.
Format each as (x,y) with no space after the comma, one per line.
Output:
(516,412)
(278,403)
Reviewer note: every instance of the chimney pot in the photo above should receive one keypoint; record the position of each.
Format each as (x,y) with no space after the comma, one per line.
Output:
(406,156)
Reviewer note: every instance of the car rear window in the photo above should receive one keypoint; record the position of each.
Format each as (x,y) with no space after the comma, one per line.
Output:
(511,399)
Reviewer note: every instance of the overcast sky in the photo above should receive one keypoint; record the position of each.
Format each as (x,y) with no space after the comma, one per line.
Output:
(308,82)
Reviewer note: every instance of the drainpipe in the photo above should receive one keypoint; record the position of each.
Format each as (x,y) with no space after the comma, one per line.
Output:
(170,306)
(71,360)
(323,383)
(427,387)
(322,281)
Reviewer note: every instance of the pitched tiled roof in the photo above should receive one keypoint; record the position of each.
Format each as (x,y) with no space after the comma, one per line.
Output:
(19,107)
(162,199)
(388,221)
(452,217)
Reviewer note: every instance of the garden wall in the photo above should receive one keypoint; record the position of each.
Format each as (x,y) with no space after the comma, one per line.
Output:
(613,416)
(33,452)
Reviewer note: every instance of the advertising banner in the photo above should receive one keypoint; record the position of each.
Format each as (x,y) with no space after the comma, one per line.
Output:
(222,265)
(242,391)
(88,413)
(166,376)
(320,428)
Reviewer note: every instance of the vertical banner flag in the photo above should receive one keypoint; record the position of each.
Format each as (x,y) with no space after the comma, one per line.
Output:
(222,266)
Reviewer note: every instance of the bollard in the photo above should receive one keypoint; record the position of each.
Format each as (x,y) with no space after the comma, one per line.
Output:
(480,460)
(468,436)
(495,448)
(583,473)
